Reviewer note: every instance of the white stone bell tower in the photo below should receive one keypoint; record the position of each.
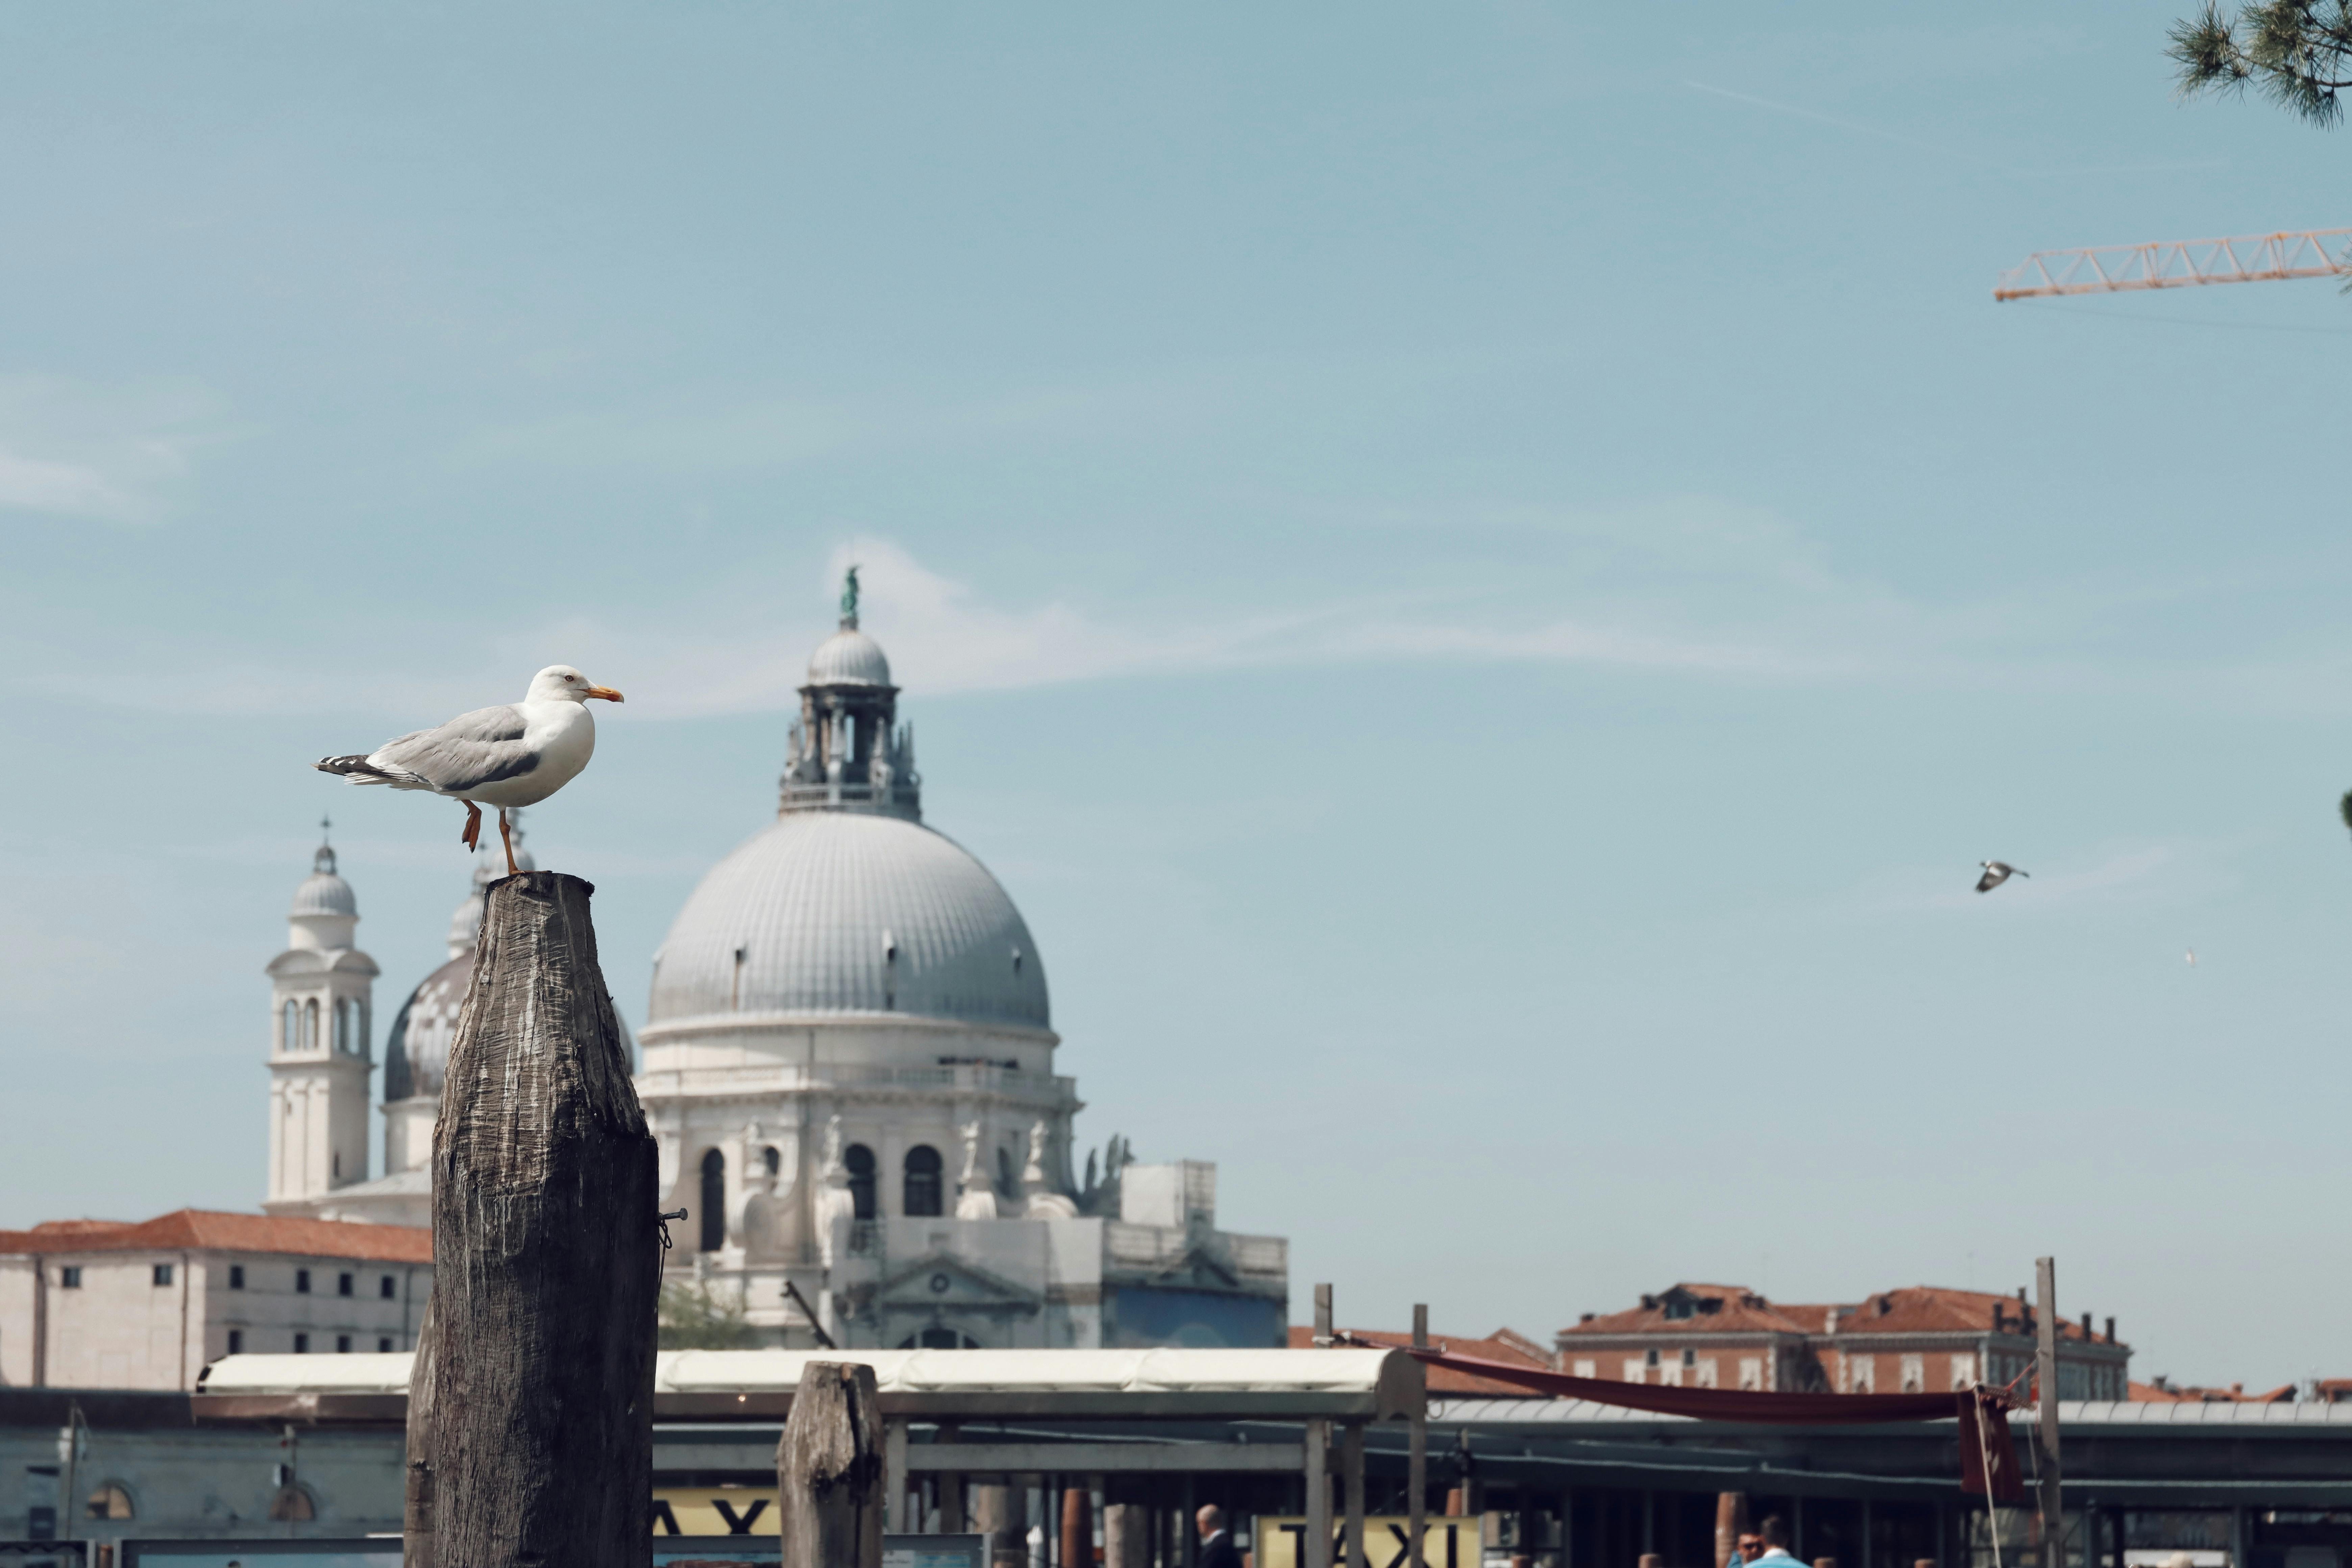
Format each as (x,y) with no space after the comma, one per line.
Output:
(319,1058)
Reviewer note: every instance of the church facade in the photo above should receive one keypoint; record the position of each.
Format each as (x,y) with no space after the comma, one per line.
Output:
(848,1064)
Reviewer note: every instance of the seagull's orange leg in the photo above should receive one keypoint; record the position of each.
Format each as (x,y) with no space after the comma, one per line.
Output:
(472,836)
(507,834)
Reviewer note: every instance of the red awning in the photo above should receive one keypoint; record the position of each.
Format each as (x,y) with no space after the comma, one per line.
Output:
(1968,1405)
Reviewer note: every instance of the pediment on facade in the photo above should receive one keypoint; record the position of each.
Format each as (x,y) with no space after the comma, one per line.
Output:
(945,1282)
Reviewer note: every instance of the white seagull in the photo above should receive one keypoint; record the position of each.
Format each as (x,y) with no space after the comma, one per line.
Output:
(515,754)
(1996,872)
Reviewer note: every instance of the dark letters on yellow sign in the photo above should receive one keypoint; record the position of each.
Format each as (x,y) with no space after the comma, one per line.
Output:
(1445,1542)
(715,1511)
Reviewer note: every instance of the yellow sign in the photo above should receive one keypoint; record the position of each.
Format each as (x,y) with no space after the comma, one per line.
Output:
(1444,1542)
(726,1510)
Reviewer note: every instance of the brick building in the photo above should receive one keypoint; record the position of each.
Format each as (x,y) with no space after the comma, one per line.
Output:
(1445,1381)
(105,1304)
(1918,1340)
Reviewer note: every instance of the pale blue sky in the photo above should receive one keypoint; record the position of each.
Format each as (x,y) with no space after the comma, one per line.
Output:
(1484,574)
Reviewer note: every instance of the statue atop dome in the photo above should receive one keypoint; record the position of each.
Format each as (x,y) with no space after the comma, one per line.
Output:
(849,601)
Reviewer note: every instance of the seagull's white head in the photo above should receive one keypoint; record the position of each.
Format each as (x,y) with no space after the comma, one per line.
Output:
(561,683)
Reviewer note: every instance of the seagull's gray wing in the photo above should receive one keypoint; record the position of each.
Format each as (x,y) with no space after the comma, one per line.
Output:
(468,752)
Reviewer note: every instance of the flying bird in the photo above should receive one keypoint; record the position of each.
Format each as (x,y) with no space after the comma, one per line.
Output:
(515,754)
(1996,872)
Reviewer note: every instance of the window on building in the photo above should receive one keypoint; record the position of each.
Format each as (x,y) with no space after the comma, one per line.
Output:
(1914,1374)
(301,1344)
(1585,1368)
(345,1284)
(385,1287)
(1679,1308)
(237,1341)
(342,1024)
(384,1345)
(714,1200)
(859,1160)
(70,1277)
(1650,1357)
(111,1500)
(923,1166)
(301,1282)
(773,1158)
(292,1505)
(939,1339)
(237,1276)
(1964,1370)
(162,1274)
(310,1025)
(1690,1358)
(1751,1372)
(290,1035)
(342,1344)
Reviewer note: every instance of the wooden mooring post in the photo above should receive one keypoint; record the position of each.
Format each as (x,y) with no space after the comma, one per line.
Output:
(531,1402)
(829,1469)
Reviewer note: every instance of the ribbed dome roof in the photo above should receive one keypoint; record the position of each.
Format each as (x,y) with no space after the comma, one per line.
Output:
(848,658)
(848,913)
(416,1052)
(323,892)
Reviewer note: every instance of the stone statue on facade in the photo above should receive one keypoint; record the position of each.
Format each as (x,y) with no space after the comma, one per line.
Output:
(1040,1200)
(833,1199)
(765,1218)
(975,1198)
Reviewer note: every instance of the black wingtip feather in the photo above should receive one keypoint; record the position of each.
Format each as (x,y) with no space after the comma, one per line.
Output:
(342,765)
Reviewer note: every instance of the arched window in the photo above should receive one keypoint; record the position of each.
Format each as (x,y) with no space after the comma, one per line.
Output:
(859,1159)
(290,1039)
(714,1201)
(111,1500)
(773,1158)
(343,1024)
(310,1025)
(922,1180)
(293,1505)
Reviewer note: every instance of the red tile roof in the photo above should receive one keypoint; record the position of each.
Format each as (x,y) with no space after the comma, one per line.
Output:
(2163,1393)
(211,1230)
(1719,1309)
(1503,1344)
(1912,1309)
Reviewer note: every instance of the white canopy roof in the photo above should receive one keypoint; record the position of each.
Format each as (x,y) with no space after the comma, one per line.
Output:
(1381,1382)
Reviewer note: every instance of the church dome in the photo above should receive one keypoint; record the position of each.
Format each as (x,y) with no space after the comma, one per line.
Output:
(323,892)
(848,658)
(837,912)
(416,1052)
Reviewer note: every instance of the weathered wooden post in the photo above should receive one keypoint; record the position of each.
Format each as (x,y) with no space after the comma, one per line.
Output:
(531,1403)
(829,1474)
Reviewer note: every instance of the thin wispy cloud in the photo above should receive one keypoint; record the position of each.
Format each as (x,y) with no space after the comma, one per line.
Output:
(114,454)
(1685,586)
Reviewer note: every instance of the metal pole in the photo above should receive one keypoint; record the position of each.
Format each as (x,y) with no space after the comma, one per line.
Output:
(1352,1478)
(1322,1315)
(2045,1429)
(1417,1460)
(1318,1474)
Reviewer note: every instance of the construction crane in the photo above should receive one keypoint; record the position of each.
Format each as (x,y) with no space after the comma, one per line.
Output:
(2179,264)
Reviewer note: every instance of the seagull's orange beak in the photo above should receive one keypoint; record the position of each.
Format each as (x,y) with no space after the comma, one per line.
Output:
(607,693)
